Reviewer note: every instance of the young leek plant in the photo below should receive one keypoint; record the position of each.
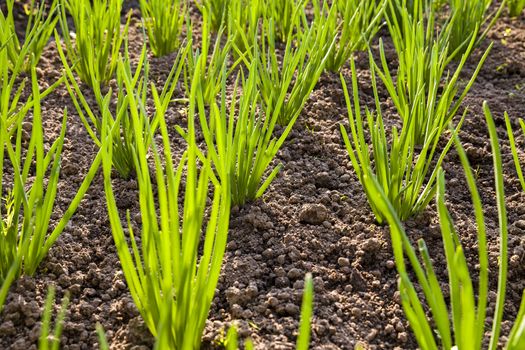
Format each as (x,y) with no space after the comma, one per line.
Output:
(12,108)
(239,136)
(514,148)
(424,92)
(163,21)
(462,324)
(124,142)
(211,69)
(40,26)
(287,16)
(93,48)
(48,341)
(173,273)
(285,84)
(28,207)
(406,173)
(353,22)
(472,17)
(515,7)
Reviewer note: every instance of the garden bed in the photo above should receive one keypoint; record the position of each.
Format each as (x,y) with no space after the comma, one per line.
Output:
(313,218)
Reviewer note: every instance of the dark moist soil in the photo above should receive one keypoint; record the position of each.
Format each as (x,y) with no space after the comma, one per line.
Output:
(313,218)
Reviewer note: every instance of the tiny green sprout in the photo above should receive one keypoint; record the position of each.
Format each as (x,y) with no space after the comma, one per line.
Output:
(502,67)
(309,128)
(253,325)
(477,172)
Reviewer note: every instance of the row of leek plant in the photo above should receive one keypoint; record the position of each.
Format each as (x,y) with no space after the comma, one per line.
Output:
(351,23)
(476,19)
(460,325)
(29,202)
(171,283)
(178,324)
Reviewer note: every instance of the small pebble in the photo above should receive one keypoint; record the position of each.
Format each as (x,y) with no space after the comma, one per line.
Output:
(402,337)
(343,261)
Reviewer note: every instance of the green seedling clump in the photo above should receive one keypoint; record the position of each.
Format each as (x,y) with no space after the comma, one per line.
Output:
(425,92)
(119,119)
(471,17)
(173,275)
(94,45)
(515,7)
(163,21)
(40,26)
(211,62)
(239,137)
(406,174)
(285,85)
(353,22)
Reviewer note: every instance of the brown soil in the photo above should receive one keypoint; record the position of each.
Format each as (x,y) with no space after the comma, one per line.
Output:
(313,218)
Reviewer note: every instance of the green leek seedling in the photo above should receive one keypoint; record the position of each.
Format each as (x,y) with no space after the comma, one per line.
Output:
(173,275)
(10,110)
(515,7)
(461,325)
(287,16)
(424,92)
(239,137)
(124,142)
(353,22)
(93,48)
(285,84)
(211,68)
(47,341)
(216,10)
(244,19)
(471,17)
(28,206)
(163,21)
(406,175)
(13,60)
(39,28)
(514,149)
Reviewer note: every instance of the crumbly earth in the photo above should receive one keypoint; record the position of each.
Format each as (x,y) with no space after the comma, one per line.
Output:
(313,218)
